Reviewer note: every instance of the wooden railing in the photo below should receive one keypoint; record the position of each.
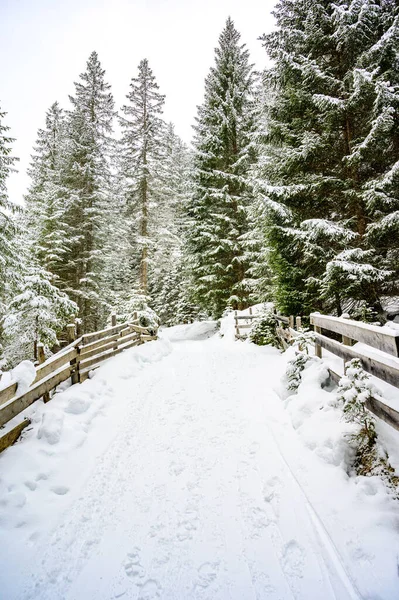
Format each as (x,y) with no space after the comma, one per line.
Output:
(383,364)
(245,322)
(76,360)
(382,339)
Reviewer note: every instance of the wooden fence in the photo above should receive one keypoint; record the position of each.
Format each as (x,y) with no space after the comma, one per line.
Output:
(382,363)
(76,360)
(245,322)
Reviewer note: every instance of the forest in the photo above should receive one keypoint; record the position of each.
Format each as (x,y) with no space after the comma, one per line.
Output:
(288,193)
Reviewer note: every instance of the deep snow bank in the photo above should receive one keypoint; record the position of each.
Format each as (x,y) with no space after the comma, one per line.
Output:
(319,423)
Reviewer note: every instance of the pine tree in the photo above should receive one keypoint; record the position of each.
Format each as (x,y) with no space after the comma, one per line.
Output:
(7,209)
(332,152)
(87,180)
(141,158)
(223,156)
(354,391)
(166,278)
(44,219)
(37,313)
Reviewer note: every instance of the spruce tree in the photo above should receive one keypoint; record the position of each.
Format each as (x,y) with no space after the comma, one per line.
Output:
(37,313)
(87,180)
(44,219)
(331,154)
(8,261)
(167,271)
(141,158)
(221,196)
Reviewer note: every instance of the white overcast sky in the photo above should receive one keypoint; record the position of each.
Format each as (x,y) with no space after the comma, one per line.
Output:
(44,45)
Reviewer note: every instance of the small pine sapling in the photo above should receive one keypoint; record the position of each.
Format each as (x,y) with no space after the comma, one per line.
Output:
(303,339)
(263,330)
(354,390)
(296,365)
(294,370)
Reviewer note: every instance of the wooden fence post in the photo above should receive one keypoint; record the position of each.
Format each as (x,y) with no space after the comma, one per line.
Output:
(71,337)
(346,340)
(236,322)
(298,322)
(113,324)
(41,358)
(291,321)
(78,327)
(317,347)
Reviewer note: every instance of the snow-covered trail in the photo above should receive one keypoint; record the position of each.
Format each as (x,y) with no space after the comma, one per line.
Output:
(195,497)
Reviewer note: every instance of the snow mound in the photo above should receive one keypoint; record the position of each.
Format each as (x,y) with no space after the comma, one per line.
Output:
(199,330)
(23,374)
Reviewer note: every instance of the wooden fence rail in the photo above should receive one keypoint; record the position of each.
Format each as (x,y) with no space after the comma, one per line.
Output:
(383,364)
(76,360)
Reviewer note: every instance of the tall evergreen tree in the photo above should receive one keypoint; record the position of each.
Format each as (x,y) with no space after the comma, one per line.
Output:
(167,272)
(223,156)
(37,312)
(141,158)
(87,179)
(332,152)
(44,219)
(7,208)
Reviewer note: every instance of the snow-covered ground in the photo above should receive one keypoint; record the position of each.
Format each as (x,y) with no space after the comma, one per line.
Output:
(182,470)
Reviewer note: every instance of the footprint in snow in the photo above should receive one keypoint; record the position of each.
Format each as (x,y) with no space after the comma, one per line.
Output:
(293,560)
(150,590)
(60,490)
(187,526)
(176,468)
(258,520)
(207,574)
(31,485)
(271,495)
(253,449)
(133,568)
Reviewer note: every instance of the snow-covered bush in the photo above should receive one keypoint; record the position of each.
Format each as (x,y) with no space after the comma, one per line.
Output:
(37,313)
(295,366)
(136,303)
(263,330)
(303,339)
(354,390)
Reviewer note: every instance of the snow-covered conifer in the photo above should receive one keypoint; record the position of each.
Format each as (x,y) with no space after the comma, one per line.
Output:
(354,391)
(141,157)
(87,180)
(37,313)
(46,231)
(332,153)
(7,208)
(168,266)
(221,195)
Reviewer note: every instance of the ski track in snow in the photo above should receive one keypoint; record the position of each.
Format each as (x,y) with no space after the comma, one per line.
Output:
(193,498)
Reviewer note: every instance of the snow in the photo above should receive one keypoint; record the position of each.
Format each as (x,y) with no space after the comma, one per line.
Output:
(198,330)
(183,469)
(23,374)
